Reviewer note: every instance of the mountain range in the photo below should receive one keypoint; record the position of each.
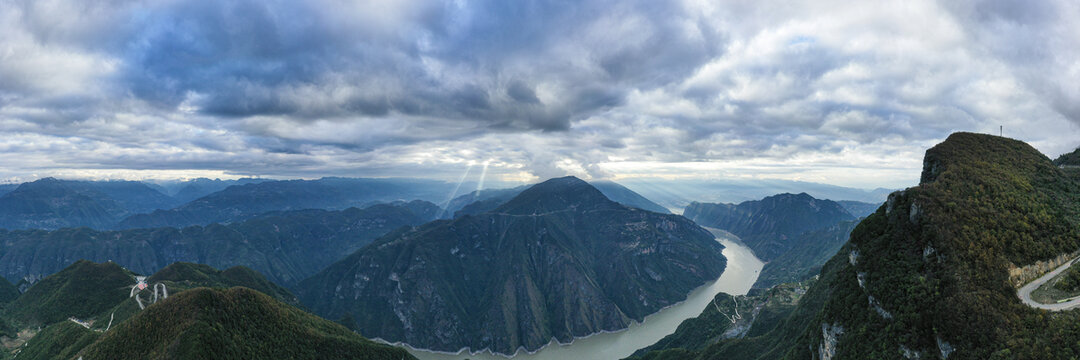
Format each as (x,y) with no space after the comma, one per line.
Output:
(241,202)
(559,260)
(679,193)
(186,191)
(50,203)
(287,246)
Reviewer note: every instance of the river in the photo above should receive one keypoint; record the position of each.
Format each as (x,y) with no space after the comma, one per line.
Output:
(739,275)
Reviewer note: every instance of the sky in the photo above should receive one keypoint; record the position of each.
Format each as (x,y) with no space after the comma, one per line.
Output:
(837,92)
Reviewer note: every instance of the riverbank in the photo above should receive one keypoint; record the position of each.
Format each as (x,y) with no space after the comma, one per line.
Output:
(739,275)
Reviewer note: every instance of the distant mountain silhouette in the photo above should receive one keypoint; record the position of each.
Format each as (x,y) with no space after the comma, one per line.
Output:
(286,246)
(240,202)
(50,203)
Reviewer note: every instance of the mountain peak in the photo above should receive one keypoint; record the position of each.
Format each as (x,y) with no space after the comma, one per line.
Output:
(565,193)
(40,183)
(971,149)
(799,196)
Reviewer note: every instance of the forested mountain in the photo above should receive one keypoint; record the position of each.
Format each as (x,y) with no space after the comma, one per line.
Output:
(770,226)
(88,311)
(810,251)
(933,273)
(559,260)
(286,246)
(1070,159)
(50,203)
(236,323)
(240,202)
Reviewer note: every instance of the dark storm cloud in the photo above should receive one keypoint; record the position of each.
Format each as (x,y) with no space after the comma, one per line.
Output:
(478,62)
(532,87)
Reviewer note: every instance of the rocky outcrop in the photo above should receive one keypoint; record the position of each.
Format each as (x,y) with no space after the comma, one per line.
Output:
(830,336)
(1018,276)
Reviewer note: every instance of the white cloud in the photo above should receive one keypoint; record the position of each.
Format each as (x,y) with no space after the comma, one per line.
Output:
(830,91)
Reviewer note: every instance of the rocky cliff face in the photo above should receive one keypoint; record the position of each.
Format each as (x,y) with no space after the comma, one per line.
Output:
(934,272)
(559,260)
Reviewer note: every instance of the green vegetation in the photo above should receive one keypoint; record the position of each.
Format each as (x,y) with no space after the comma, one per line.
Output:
(227,321)
(1070,159)
(237,323)
(810,251)
(761,311)
(179,277)
(928,272)
(81,290)
(936,258)
(794,233)
(558,260)
(1063,286)
(61,340)
(1070,164)
(1070,280)
(188,275)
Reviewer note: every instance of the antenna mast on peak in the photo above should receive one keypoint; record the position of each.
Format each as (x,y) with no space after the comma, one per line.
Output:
(1001,130)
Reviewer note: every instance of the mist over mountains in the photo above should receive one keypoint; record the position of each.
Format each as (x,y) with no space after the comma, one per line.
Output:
(512,268)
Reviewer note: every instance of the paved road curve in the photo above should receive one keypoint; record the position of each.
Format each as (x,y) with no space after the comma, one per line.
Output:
(1025,291)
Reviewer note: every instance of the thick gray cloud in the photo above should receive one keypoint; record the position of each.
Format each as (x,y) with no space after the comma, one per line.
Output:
(824,91)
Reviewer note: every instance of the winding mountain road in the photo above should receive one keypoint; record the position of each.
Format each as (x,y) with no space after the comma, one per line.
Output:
(1025,291)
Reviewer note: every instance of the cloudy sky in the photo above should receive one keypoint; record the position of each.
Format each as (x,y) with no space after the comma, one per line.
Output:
(839,92)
